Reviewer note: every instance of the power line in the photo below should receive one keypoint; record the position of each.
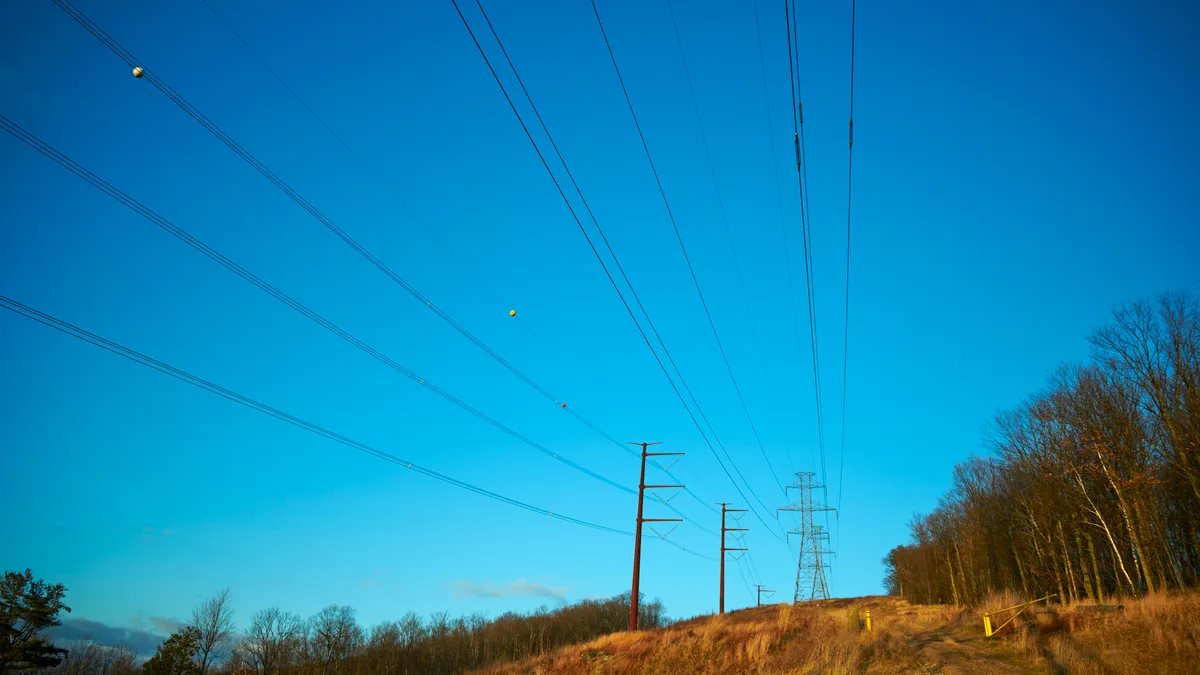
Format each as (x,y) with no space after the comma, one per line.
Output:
(692,271)
(728,233)
(846,325)
(416,218)
(483,284)
(216,131)
(147,213)
(849,204)
(596,253)
(742,574)
(587,237)
(789,10)
(793,34)
(787,255)
(596,223)
(679,238)
(125,55)
(108,345)
(138,357)
(220,134)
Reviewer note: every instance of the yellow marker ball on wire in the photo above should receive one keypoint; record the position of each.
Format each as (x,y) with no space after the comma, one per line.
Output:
(512,312)
(138,72)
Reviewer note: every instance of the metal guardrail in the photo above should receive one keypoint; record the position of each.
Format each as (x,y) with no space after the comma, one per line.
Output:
(987,616)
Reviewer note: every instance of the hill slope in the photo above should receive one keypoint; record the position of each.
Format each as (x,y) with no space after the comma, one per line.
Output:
(1154,635)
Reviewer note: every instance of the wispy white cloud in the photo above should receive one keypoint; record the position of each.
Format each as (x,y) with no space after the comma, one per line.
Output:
(165,624)
(516,588)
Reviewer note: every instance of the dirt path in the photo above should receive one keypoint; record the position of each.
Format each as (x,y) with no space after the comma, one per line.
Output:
(957,654)
(954,649)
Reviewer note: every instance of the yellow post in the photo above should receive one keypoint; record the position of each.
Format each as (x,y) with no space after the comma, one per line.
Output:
(868,620)
(987,625)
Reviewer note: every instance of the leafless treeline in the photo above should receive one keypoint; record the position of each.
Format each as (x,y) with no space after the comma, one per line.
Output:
(333,643)
(1094,486)
(85,657)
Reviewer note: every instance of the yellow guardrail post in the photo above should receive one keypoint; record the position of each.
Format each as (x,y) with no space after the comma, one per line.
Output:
(868,620)
(987,616)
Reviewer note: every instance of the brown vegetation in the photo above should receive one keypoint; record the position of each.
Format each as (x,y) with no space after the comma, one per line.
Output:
(333,643)
(1158,634)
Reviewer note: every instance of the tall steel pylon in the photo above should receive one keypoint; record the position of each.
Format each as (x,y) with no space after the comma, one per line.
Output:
(810,568)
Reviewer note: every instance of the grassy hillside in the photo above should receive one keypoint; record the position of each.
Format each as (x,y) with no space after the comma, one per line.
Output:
(1158,634)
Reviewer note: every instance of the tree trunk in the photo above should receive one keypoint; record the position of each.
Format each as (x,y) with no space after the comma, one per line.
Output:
(1067,561)
(1108,532)
(1020,567)
(1088,582)
(953,584)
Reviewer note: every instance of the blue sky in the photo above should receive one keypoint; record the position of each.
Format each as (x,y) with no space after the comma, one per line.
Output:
(1020,169)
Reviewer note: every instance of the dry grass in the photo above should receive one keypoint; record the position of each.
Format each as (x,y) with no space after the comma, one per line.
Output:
(1158,634)
(823,638)
(1155,634)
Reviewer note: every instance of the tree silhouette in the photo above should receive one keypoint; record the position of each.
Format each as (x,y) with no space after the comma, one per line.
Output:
(176,655)
(28,607)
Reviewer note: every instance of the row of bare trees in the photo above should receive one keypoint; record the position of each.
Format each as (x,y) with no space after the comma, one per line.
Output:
(85,657)
(1093,487)
(333,643)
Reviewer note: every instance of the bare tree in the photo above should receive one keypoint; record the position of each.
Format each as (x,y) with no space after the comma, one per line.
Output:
(213,619)
(85,657)
(335,635)
(1095,486)
(271,638)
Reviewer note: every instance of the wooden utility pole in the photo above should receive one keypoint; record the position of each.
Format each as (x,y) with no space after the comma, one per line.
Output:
(762,590)
(637,537)
(724,548)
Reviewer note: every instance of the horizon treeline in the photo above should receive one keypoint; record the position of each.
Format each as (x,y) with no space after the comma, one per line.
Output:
(1092,488)
(332,642)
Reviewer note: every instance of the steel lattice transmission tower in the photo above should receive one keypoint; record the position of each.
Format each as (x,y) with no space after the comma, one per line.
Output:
(810,568)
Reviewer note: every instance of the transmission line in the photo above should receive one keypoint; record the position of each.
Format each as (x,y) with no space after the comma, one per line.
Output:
(187,107)
(682,247)
(147,213)
(712,169)
(849,204)
(108,345)
(623,446)
(604,238)
(846,325)
(596,253)
(483,284)
(789,10)
(163,87)
(220,134)
(787,255)
(140,358)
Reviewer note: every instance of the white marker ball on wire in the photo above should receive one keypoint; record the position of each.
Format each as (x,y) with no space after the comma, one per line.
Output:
(138,72)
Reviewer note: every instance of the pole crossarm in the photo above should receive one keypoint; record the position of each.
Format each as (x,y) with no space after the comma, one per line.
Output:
(725,511)
(635,591)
